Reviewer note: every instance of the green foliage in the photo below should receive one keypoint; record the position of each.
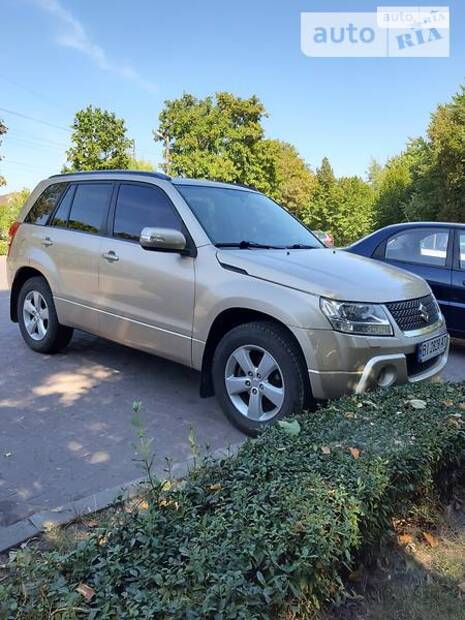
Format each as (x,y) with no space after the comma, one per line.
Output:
(341,206)
(222,138)
(3,247)
(289,180)
(427,180)
(99,142)
(9,212)
(215,138)
(140,164)
(251,536)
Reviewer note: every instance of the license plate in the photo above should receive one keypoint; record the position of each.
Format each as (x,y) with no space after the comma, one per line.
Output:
(432,348)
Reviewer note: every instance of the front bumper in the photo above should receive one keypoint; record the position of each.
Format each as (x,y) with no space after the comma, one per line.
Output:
(341,364)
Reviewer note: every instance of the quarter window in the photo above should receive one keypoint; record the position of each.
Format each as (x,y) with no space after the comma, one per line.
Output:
(139,206)
(45,204)
(426,246)
(90,206)
(60,219)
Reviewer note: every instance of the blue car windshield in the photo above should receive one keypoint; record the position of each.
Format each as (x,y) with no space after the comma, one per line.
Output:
(236,217)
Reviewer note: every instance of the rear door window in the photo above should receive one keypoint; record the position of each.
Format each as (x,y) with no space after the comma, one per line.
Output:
(89,208)
(45,204)
(425,246)
(139,206)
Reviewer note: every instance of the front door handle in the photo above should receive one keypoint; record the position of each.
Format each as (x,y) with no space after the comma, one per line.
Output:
(46,241)
(110,256)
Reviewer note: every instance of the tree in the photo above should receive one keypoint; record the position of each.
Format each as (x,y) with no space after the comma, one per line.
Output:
(427,180)
(217,138)
(343,207)
(3,130)
(140,164)
(9,211)
(99,141)
(446,164)
(393,191)
(288,178)
(320,212)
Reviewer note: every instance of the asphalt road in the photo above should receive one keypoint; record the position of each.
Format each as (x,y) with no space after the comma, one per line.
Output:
(65,429)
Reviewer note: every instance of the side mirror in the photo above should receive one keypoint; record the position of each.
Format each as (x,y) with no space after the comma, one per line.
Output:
(167,239)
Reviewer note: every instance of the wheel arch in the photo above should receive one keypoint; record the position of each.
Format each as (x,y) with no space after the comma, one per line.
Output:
(223,323)
(22,275)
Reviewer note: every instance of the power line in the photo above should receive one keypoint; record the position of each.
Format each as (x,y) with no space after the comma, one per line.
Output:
(33,144)
(32,91)
(20,163)
(25,135)
(36,120)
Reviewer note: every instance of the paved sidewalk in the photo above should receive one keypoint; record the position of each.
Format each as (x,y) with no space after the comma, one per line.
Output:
(65,431)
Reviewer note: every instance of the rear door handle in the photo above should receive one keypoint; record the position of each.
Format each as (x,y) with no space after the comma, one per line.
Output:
(110,256)
(46,241)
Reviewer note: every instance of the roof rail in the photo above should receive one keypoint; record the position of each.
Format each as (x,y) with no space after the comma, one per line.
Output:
(153,174)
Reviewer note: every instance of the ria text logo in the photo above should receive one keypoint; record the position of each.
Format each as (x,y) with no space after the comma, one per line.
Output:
(399,32)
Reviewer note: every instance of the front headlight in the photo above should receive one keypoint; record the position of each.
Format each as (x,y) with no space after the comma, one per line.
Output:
(356,318)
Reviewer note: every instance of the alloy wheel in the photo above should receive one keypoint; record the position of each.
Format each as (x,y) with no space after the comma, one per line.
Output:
(35,315)
(254,383)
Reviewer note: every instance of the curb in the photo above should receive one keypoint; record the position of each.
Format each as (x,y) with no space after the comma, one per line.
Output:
(19,532)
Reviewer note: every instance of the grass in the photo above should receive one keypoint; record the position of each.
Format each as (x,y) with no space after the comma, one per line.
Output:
(419,576)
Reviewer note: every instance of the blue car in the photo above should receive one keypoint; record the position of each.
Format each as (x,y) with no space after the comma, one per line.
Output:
(433,250)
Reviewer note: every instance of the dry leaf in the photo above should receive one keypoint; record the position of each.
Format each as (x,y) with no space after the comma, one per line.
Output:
(462,586)
(144,505)
(348,414)
(405,539)
(355,452)
(416,403)
(462,406)
(448,403)
(215,487)
(356,575)
(326,450)
(87,592)
(430,539)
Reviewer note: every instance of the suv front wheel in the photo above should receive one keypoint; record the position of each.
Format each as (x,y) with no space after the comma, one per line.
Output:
(37,317)
(258,375)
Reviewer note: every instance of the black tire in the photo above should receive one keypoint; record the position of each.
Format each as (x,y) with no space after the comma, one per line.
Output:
(276,341)
(57,336)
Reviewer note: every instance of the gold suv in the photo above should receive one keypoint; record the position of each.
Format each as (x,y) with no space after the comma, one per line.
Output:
(220,278)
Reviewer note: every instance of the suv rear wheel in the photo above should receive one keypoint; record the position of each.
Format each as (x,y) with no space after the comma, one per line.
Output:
(258,375)
(38,319)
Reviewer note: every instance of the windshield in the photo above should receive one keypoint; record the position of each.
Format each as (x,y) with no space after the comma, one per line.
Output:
(233,217)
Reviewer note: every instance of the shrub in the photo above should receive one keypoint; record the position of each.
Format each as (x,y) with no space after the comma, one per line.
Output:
(3,247)
(254,534)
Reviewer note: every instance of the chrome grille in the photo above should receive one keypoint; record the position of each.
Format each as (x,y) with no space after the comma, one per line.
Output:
(414,313)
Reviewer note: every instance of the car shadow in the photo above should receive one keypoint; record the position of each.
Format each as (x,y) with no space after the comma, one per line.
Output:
(66,419)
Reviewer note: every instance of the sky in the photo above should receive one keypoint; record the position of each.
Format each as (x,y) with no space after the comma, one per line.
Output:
(58,56)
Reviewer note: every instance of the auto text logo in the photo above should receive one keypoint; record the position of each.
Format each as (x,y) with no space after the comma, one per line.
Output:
(397,32)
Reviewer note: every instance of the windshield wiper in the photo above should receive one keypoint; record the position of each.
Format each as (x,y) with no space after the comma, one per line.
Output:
(300,246)
(244,245)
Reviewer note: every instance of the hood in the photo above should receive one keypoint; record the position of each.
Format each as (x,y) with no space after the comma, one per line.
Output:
(331,273)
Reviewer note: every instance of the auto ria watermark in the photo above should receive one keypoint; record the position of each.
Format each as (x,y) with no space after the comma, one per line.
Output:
(390,32)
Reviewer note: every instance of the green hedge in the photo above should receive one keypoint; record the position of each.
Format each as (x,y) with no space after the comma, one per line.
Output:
(3,247)
(252,535)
